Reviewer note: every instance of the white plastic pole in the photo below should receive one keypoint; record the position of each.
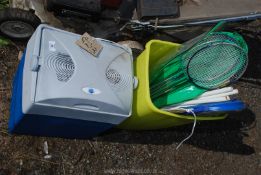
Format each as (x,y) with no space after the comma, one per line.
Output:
(217,91)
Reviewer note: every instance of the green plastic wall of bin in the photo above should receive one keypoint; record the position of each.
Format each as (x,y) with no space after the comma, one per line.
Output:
(146,116)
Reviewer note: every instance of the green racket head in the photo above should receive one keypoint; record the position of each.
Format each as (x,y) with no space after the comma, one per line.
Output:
(216,64)
(226,36)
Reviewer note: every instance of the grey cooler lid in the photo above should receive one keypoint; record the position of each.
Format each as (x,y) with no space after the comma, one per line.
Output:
(68,76)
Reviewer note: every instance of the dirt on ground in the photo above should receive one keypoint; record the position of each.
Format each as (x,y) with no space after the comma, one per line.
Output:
(230,146)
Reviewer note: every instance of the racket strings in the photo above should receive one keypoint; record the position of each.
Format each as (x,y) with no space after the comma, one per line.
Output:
(214,65)
(214,61)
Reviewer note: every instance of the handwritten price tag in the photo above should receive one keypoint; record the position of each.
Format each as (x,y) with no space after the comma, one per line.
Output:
(90,44)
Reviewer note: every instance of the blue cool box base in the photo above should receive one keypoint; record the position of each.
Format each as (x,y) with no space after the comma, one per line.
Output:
(43,125)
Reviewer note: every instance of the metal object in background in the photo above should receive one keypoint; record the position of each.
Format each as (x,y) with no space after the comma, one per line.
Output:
(148,9)
(121,12)
(86,6)
(17,23)
(23,16)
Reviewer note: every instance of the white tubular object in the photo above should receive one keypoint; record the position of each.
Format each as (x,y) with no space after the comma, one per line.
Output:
(234,92)
(217,91)
(196,102)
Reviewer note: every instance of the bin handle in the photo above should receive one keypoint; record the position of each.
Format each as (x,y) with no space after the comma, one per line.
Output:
(135,82)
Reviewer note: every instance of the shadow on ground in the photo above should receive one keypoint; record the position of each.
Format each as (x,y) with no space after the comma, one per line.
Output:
(222,136)
(253,72)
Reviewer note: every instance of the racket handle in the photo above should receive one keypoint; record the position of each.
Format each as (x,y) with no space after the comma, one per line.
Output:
(234,92)
(196,102)
(217,91)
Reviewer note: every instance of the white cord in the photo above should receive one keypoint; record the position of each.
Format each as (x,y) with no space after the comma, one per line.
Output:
(193,127)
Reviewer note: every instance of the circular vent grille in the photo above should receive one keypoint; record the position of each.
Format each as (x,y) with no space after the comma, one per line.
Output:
(118,81)
(113,76)
(62,64)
